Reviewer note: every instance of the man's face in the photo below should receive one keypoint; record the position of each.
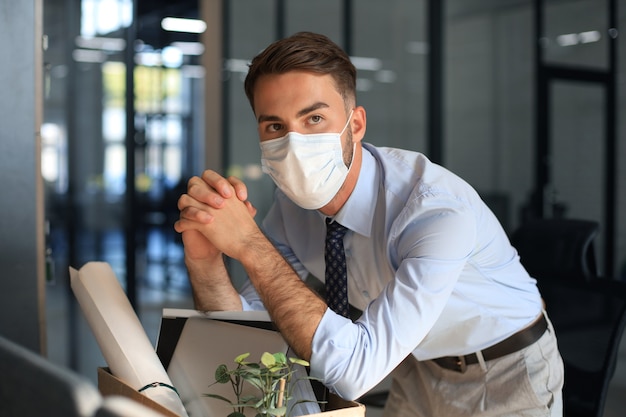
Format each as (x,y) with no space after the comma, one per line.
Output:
(302,102)
(309,103)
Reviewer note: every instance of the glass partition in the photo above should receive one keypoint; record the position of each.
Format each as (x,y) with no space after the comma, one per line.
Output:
(576,33)
(577,153)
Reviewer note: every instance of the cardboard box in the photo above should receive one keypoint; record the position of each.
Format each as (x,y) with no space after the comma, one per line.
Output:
(189,358)
(109,384)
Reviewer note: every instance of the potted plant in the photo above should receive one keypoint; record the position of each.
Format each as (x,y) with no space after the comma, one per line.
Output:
(273,378)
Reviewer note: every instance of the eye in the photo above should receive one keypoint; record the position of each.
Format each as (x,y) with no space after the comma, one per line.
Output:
(315,119)
(274,127)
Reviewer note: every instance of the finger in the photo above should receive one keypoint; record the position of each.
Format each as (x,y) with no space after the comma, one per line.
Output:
(198,189)
(186,200)
(240,188)
(196,214)
(251,209)
(218,183)
(183,224)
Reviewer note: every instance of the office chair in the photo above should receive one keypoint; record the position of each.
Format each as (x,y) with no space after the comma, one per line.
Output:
(589,319)
(32,386)
(557,248)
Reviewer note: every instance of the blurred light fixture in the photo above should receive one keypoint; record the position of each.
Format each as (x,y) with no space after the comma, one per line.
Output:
(366,64)
(105,44)
(149,58)
(177,24)
(567,39)
(172,57)
(237,65)
(88,55)
(385,76)
(571,39)
(590,36)
(417,47)
(189,48)
(192,71)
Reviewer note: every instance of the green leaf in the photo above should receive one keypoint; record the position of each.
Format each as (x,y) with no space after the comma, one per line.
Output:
(299,361)
(279,411)
(252,370)
(236,414)
(268,359)
(280,357)
(256,382)
(221,374)
(219,397)
(247,398)
(240,359)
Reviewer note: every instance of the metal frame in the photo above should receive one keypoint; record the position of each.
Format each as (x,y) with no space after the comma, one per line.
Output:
(547,73)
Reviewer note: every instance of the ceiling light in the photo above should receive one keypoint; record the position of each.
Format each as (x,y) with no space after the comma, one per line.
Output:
(571,39)
(149,59)
(568,39)
(189,48)
(192,71)
(105,44)
(237,65)
(590,36)
(367,64)
(176,24)
(88,55)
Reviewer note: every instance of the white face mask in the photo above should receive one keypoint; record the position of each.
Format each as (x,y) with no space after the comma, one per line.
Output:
(309,169)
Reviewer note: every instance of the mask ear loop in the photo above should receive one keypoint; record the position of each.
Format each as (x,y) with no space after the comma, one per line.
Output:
(347,122)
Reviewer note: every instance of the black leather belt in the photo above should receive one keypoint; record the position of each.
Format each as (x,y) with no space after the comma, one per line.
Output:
(514,343)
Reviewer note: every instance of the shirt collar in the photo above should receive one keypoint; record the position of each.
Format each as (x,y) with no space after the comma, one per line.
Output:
(357,213)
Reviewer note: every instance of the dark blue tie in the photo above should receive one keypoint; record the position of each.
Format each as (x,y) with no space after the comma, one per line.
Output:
(336,273)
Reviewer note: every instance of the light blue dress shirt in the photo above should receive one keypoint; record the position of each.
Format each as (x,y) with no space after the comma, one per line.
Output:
(428,263)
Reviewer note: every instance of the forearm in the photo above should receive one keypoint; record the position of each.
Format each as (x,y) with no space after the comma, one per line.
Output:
(294,308)
(211,286)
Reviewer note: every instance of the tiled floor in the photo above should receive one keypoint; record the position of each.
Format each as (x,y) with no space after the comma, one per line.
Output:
(71,342)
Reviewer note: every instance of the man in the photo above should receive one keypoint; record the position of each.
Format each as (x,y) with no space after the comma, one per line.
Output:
(447,308)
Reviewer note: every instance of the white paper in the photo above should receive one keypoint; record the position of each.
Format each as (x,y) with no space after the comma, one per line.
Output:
(204,344)
(120,335)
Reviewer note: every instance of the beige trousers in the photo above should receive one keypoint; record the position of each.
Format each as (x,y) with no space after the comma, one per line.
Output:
(527,383)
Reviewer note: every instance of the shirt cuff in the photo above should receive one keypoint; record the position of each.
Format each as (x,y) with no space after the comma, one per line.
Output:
(332,348)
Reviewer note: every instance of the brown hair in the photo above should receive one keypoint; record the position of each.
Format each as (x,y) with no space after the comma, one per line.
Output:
(304,51)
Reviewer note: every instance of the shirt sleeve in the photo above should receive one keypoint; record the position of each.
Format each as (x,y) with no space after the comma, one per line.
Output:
(429,246)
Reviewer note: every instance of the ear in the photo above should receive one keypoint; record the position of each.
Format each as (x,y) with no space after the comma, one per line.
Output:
(358,123)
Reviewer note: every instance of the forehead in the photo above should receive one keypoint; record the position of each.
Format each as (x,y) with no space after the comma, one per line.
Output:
(288,93)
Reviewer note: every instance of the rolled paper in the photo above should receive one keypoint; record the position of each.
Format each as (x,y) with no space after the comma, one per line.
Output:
(123,341)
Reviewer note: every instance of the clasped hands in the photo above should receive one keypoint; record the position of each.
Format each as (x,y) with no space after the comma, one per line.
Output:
(216,217)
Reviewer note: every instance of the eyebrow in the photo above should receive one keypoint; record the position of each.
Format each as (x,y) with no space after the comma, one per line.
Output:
(315,106)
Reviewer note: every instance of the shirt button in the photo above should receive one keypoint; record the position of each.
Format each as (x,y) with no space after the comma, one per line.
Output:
(366,294)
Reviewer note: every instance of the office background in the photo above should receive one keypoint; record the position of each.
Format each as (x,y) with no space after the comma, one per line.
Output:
(522,98)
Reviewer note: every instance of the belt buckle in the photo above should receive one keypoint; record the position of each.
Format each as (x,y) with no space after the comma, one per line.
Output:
(461,364)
